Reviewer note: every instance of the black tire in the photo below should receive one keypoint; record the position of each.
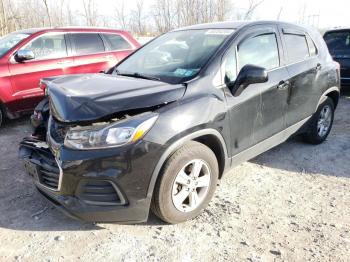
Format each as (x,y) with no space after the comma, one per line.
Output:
(162,204)
(312,136)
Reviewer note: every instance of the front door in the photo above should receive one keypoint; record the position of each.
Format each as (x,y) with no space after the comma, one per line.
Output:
(51,59)
(258,113)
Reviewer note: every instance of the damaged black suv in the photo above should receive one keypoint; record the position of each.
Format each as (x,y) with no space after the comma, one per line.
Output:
(158,130)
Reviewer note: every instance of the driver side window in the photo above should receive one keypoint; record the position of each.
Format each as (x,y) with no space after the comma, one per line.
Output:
(48,47)
(261,50)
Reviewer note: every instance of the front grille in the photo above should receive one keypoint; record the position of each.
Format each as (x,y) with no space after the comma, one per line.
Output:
(41,164)
(99,192)
(49,178)
(48,170)
(57,131)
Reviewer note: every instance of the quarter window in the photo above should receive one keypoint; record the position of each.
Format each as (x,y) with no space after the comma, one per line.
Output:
(87,43)
(312,46)
(231,66)
(297,47)
(48,47)
(260,51)
(117,42)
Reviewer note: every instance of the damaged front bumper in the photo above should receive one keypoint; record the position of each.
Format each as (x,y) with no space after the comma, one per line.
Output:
(96,185)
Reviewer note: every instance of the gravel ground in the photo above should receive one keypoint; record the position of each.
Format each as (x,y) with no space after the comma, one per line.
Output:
(291,203)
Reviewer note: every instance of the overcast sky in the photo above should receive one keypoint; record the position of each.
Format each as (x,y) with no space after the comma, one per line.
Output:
(331,12)
(320,13)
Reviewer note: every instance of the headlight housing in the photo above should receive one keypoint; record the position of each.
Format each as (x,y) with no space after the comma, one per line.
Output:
(116,134)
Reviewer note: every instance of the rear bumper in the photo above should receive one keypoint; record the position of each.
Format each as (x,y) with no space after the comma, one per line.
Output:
(94,186)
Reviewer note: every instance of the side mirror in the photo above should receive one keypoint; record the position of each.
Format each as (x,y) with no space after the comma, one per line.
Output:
(24,55)
(248,75)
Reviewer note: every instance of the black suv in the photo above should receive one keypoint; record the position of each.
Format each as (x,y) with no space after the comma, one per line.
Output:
(338,42)
(162,127)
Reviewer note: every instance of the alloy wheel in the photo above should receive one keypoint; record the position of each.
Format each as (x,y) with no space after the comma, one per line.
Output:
(324,121)
(191,185)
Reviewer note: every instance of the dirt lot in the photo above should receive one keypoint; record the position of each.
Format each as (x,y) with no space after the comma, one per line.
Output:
(291,203)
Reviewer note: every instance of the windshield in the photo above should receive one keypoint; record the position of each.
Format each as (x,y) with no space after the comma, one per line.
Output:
(9,41)
(338,43)
(176,56)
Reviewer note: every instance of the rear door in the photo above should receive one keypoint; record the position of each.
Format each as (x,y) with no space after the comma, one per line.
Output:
(51,59)
(117,45)
(303,65)
(90,54)
(338,43)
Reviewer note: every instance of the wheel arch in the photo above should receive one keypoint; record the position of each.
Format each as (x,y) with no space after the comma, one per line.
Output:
(333,93)
(209,137)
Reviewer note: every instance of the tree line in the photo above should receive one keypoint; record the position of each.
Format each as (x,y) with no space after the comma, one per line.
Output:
(157,16)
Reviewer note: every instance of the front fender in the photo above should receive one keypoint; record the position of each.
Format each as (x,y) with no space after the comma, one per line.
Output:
(176,145)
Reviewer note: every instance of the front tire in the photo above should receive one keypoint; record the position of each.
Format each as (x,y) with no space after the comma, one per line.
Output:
(186,184)
(321,123)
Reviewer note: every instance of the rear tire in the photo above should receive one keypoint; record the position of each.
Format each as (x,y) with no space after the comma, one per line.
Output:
(186,183)
(321,123)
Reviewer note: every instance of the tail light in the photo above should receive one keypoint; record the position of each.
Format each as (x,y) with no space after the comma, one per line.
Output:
(43,86)
(337,65)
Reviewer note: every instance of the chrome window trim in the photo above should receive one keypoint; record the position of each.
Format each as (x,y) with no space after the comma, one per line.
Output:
(13,61)
(127,40)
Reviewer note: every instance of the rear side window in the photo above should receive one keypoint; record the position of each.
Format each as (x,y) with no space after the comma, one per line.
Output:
(87,43)
(338,42)
(260,50)
(117,42)
(297,47)
(312,46)
(48,46)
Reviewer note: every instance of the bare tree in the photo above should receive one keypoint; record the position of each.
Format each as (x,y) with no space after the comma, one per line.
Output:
(47,12)
(223,9)
(121,16)
(90,12)
(161,16)
(164,13)
(279,13)
(137,18)
(253,4)
(302,14)
(169,14)
(3,18)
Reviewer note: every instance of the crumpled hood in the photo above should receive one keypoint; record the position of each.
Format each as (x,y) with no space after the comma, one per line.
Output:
(78,98)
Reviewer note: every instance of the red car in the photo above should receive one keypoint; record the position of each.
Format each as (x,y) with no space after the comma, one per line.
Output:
(26,56)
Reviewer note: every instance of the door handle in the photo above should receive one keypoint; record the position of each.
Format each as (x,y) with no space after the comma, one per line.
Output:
(109,57)
(64,62)
(283,85)
(318,67)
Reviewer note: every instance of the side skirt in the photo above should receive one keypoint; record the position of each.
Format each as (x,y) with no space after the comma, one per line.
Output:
(267,144)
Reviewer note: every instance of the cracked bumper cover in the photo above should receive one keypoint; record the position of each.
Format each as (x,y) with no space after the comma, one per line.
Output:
(128,169)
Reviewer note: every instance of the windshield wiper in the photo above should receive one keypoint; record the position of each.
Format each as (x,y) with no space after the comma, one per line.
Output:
(138,75)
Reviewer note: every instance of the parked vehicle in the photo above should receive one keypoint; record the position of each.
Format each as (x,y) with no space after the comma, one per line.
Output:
(161,128)
(338,42)
(27,56)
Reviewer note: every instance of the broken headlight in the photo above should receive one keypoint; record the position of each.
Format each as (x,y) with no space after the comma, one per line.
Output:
(110,135)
